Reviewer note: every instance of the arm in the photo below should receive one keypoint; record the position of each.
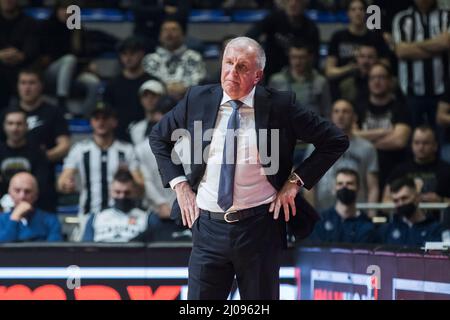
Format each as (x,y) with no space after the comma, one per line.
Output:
(162,146)
(161,141)
(329,142)
(411,51)
(54,230)
(138,179)
(60,150)
(443,114)
(437,44)
(9,230)
(372,134)
(397,139)
(332,71)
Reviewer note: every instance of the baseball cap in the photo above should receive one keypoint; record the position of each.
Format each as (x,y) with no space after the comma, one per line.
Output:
(153,86)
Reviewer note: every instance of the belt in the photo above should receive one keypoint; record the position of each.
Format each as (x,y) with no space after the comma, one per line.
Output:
(236,215)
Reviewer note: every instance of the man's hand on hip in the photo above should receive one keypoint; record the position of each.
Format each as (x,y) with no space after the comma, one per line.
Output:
(285,199)
(186,201)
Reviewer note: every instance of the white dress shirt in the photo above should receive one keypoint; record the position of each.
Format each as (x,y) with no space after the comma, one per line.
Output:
(251,187)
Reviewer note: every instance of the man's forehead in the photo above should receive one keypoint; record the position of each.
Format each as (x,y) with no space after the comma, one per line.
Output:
(403,192)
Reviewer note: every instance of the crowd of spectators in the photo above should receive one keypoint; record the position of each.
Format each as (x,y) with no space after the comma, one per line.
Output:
(388,90)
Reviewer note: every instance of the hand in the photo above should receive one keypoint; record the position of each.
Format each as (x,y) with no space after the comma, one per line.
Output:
(430,197)
(21,210)
(164,211)
(11,56)
(285,198)
(186,201)
(68,185)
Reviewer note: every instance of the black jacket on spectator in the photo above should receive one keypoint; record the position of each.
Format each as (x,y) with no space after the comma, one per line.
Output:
(332,228)
(399,233)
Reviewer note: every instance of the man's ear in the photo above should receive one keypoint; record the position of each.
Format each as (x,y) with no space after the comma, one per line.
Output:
(259,76)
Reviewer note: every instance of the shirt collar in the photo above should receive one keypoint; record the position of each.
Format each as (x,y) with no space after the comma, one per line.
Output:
(248,100)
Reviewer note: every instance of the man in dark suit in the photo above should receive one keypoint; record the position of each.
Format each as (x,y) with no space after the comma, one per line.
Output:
(231,188)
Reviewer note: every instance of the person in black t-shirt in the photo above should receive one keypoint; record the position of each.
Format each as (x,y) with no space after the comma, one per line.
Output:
(47,127)
(121,93)
(431,175)
(443,119)
(17,155)
(281,27)
(344,44)
(384,120)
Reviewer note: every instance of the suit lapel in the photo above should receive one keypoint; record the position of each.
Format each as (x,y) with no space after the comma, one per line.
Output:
(262,111)
(211,108)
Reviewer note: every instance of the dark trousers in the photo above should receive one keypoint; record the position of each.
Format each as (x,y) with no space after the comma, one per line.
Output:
(249,249)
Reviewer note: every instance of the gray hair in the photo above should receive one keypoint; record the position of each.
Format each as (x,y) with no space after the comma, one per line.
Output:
(245,42)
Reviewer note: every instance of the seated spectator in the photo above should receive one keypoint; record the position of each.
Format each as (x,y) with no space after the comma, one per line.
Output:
(355,87)
(344,44)
(431,175)
(121,93)
(19,46)
(410,226)
(310,87)
(124,221)
(25,222)
(47,127)
(96,160)
(280,27)
(173,63)
(150,14)
(361,156)
(343,222)
(443,119)
(384,120)
(153,99)
(17,155)
(62,58)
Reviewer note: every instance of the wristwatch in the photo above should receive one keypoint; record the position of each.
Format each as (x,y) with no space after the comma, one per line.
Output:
(294,178)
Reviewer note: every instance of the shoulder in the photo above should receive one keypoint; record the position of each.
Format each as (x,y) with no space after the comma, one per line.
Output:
(83,144)
(192,54)
(204,89)
(403,14)
(123,145)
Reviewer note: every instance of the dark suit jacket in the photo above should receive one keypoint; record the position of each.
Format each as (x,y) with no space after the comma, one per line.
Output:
(273,110)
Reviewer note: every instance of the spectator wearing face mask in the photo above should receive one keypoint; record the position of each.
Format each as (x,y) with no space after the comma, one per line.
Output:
(410,226)
(124,221)
(343,222)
